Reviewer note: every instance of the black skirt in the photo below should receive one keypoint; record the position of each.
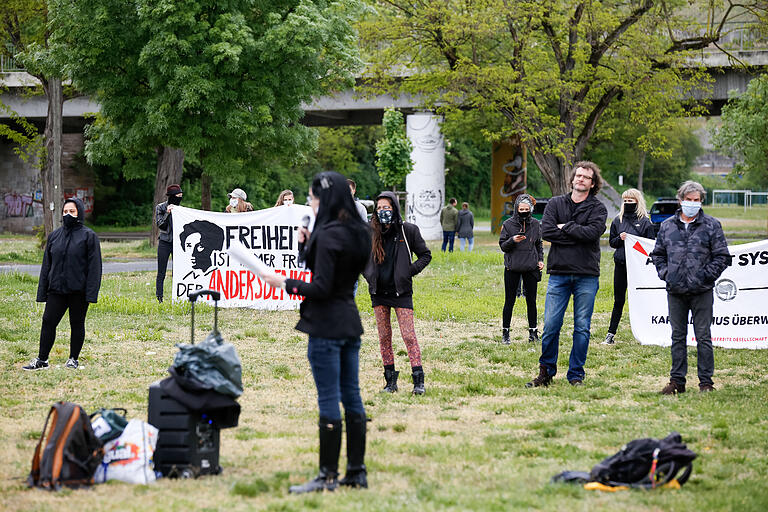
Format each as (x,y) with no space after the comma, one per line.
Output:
(393,301)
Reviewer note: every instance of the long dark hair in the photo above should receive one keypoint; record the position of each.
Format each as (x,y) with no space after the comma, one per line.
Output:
(337,205)
(377,244)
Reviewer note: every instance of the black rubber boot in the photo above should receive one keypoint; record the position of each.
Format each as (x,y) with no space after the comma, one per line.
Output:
(391,377)
(505,337)
(330,445)
(418,382)
(533,335)
(356,475)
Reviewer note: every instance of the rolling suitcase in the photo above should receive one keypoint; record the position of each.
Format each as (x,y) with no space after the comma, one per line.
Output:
(187,441)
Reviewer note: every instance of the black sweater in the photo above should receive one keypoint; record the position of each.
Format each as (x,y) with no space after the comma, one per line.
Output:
(329,309)
(521,256)
(630,224)
(576,247)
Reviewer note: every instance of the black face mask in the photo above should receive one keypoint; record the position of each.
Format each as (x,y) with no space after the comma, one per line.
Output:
(630,208)
(69,221)
(524,215)
(174,200)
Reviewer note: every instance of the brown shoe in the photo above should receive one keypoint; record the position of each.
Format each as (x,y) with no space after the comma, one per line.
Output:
(706,388)
(543,379)
(673,388)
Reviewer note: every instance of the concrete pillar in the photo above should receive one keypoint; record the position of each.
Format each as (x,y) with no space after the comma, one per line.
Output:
(425,186)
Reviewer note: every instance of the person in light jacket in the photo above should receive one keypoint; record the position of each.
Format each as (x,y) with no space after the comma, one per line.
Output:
(389,273)
(70,278)
(465,228)
(520,240)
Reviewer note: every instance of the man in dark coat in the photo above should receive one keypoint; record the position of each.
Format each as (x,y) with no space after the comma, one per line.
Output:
(572,223)
(690,254)
(165,237)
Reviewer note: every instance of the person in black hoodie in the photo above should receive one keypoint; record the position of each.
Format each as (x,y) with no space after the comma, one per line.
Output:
(389,274)
(70,278)
(520,241)
(336,252)
(633,220)
(164,223)
(572,223)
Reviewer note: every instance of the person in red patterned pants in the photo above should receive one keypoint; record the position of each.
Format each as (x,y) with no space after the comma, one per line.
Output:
(389,274)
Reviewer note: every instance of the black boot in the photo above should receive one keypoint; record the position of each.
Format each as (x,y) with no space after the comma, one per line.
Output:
(418,382)
(391,378)
(505,337)
(533,334)
(356,475)
(330,445)
(543,379)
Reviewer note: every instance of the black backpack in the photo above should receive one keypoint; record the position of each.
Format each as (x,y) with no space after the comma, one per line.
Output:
(70,453)
(646,463)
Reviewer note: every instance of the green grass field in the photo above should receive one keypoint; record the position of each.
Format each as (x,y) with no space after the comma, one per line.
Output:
(478,439)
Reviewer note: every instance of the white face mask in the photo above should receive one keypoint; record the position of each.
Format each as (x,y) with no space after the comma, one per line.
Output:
(287,202)
(690,208)
(233,202)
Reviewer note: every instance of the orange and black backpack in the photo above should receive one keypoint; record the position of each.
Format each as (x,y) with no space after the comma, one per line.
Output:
(70,452)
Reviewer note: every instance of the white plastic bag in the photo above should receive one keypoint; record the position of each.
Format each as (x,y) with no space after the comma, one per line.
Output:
(129,457)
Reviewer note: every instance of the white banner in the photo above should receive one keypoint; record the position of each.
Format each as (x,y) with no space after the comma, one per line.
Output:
(200,259)
(740,313)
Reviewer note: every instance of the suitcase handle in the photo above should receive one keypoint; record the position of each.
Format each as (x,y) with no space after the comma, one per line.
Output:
(193,296)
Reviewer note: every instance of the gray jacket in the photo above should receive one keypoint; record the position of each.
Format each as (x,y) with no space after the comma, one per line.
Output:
(164,222)
(466,224)
(690,260)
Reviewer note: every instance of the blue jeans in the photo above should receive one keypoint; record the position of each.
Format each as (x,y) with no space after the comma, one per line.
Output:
(335,366)
(559,291)
(448,240)
(470,243)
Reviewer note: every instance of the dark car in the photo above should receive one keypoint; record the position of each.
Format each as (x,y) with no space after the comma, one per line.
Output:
(662,209)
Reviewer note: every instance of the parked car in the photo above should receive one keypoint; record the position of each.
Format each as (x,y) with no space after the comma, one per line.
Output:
(662,209)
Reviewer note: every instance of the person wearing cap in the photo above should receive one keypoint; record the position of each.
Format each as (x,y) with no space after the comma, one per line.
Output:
(285,198)
(237,203)
(70,279)
(165,236)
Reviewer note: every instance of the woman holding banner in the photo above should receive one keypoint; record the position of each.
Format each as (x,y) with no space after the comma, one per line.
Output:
(632,219)
(336,252)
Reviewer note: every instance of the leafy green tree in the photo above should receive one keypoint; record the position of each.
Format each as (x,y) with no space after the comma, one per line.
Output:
(221,81)
(544,70)
(744,133)
(393,150)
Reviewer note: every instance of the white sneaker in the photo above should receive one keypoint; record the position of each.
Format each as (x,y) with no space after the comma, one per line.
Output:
(72,363)
(36,364)
(609,339)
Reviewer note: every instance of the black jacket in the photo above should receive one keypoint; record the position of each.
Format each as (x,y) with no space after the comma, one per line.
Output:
(409,241)
(329,309)
(690,260)
(71,261)
(634,226)
(164,222)
(521,256)
(576,247)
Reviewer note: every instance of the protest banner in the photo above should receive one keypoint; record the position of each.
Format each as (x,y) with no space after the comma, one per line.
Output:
(200,258)
(740,313)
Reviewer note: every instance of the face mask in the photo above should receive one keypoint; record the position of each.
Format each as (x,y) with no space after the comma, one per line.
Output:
(233,202)
(630,207)
(174,200)
(69,221)
(385,216)
(690,208)
(287,202)
(524,215)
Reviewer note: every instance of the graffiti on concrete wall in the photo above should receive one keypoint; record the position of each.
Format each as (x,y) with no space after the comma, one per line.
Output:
(18,205)
(86,196)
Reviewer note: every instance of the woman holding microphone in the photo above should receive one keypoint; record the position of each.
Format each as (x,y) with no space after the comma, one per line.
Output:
(336,252)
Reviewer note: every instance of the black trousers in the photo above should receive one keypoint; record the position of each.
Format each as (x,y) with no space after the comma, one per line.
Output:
(164,251)
(55,307)
(619,295)
(511,282)
(700,306)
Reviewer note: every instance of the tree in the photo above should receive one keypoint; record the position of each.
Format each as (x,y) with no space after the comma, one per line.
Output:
(218,83)
(544,70)
(23,24)
(393,151)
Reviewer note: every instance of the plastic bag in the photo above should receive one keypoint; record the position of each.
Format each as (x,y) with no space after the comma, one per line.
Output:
(212,363)
(108,424)
(129,457)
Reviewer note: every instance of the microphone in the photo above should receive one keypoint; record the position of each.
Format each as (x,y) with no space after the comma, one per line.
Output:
(305,221)
(304,224)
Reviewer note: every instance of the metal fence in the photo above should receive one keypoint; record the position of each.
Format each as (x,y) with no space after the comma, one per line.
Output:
(747,198)
(8,61)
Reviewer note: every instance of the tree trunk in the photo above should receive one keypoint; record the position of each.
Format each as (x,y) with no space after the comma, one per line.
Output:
(555,172)
(205,192)
(170,165)
(51,169)
(640,170)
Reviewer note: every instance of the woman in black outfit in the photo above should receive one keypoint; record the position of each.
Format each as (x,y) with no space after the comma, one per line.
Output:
(632,219)
(70,278)
(520,241)
(336,252)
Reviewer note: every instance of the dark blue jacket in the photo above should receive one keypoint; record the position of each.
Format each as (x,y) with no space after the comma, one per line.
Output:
(639,226)
(690,260)
(71,261)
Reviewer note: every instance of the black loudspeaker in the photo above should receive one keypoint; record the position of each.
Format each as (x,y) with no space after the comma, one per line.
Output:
(187,442)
